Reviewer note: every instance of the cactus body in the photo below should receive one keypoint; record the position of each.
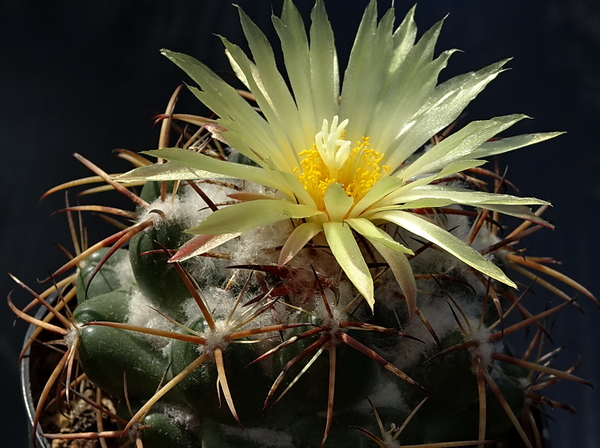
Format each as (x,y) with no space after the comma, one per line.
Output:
(451,412)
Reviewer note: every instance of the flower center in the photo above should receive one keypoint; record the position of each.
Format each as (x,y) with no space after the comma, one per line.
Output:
(332,159)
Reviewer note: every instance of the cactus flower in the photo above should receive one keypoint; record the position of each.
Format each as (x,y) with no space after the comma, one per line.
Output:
(345,157)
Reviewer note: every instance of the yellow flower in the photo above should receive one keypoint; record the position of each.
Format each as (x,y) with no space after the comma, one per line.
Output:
(339,156)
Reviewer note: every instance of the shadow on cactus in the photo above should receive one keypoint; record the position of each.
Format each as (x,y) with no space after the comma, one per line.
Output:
(322,265)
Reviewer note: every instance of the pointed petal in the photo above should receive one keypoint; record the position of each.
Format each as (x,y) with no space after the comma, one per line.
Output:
(403,272)
(239,73)
(271,92)
(225,102)
(413,87)
(381,189)
(364,78)
(464,196)
(324,70)
(201,244)
(458,166)
(519,211)
(167,171)
(245,196)
(205,163)
(337,202)
(419,203)
(443,107)
(347,253)
(440,196)
(249,215)
(404,39)
(294,45)
(297,240)
(459,145)
(369,230)
(503,145)
(444,239)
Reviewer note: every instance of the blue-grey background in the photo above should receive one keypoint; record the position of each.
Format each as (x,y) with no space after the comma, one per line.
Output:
(87,77)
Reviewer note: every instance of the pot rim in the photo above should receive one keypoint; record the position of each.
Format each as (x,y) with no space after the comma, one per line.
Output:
(40,440)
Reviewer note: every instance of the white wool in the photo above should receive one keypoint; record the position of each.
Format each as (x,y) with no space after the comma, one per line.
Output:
(439,317)
(208,270)
(264,319)
(258,246)
(73,334)
(435,305)
(388,291)
(460,225)
(124,272)
(180,414)
(389,441)
(187,208)
(219,301)
(143,313)
(337,311)
(347,293)
(436,260)
(484,348)
(484,239)
(215,338)
(190,309)
(385,395)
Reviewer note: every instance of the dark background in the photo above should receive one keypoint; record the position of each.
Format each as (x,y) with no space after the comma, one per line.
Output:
(87,77)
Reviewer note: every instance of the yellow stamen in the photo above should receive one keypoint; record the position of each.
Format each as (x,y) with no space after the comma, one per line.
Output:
(357,175)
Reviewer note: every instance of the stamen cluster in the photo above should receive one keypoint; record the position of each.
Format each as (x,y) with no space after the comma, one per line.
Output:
(331,160)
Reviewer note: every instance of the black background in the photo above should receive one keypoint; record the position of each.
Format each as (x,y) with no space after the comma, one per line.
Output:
(87,77)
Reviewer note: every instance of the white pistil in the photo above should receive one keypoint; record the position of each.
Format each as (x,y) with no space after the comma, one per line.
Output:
(333,149)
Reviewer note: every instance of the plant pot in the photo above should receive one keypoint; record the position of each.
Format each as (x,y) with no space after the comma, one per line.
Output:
(38,440)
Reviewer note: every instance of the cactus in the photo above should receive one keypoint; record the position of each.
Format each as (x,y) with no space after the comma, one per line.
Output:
(316,267)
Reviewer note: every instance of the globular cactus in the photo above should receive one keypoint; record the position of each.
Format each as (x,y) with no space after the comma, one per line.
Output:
(319,266)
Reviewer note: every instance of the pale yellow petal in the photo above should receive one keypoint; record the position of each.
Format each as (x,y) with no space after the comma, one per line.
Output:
(369,230)
(249,215)
(444,239)
(403,273)
(297,240)
(347,253)
(337,202)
